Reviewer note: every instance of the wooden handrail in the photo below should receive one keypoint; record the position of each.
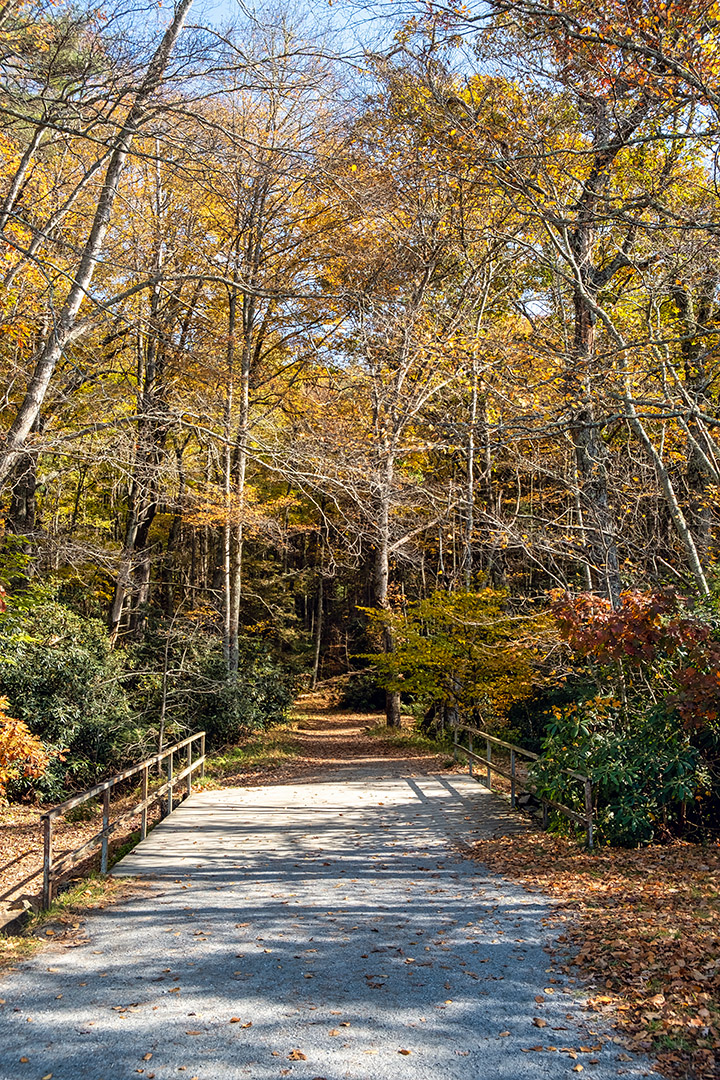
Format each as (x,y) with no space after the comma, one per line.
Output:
(585,819)
(101,839)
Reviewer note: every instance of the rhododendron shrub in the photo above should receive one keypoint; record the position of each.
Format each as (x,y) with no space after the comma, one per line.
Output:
(655,644)
(648,730)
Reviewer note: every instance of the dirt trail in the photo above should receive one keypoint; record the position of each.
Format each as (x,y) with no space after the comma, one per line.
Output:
(328,738)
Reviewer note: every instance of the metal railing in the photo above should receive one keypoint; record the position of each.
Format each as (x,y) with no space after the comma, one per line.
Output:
(490,766)
(53,871)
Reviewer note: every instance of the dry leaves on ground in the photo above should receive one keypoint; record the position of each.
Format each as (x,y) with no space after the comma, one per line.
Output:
(646,927)
(21,843)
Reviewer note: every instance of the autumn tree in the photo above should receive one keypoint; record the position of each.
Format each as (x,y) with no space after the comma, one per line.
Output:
(127,116)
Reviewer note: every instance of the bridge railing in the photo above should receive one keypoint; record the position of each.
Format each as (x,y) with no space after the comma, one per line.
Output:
(53,869)
(488,765)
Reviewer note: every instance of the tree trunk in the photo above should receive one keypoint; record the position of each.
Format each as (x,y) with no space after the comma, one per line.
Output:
(227,484)
(318,630)
(382,581)
(591,456)
(470,486)
(65,327)
(240,479)
(697,384)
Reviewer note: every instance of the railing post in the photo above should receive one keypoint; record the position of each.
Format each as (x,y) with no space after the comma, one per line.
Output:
(455,742)
(105,831)
(545,815)
(488,755)
(470,760)
(202,756)
(143,817)
(512,779)
(188,785)
(589,812)
(47,861)
(170,783)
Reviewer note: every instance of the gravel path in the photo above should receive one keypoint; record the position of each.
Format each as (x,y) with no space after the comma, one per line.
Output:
(317,930)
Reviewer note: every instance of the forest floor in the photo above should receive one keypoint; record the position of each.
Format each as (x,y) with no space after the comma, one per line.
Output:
(643,925)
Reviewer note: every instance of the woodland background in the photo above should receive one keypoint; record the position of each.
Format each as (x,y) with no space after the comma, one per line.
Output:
(398,360)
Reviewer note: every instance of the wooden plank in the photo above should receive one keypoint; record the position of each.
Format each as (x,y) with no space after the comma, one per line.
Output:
(519,750)
(47,862)
(105,785)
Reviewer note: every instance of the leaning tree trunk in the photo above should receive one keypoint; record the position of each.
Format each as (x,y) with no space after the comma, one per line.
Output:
(227,534)
(65,327)
(239,492)
(700,476)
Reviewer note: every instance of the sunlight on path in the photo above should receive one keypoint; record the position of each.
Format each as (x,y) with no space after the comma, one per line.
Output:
(320,930)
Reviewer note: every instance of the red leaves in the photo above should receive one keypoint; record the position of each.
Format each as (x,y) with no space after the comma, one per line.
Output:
(634,631)
(647,629)
(21,753)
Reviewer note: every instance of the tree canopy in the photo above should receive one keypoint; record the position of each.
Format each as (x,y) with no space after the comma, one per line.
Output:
(312,353)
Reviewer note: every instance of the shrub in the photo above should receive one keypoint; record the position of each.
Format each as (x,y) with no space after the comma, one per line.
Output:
(648,730)
(466,651)
(198,693)
(64,682)
(643,767)
(21,753)
(362,693)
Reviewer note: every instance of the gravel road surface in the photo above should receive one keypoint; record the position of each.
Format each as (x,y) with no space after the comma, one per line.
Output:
(317,930)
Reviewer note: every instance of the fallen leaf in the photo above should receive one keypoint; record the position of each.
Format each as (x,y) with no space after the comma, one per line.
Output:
(539,1022)
(503,1034)
(405,1052)
(577,1068)
(297,1055)
(610,893)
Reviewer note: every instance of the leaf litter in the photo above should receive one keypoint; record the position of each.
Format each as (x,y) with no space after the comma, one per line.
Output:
(644,926)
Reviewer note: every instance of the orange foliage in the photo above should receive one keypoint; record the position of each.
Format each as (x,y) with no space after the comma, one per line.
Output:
(21,753)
